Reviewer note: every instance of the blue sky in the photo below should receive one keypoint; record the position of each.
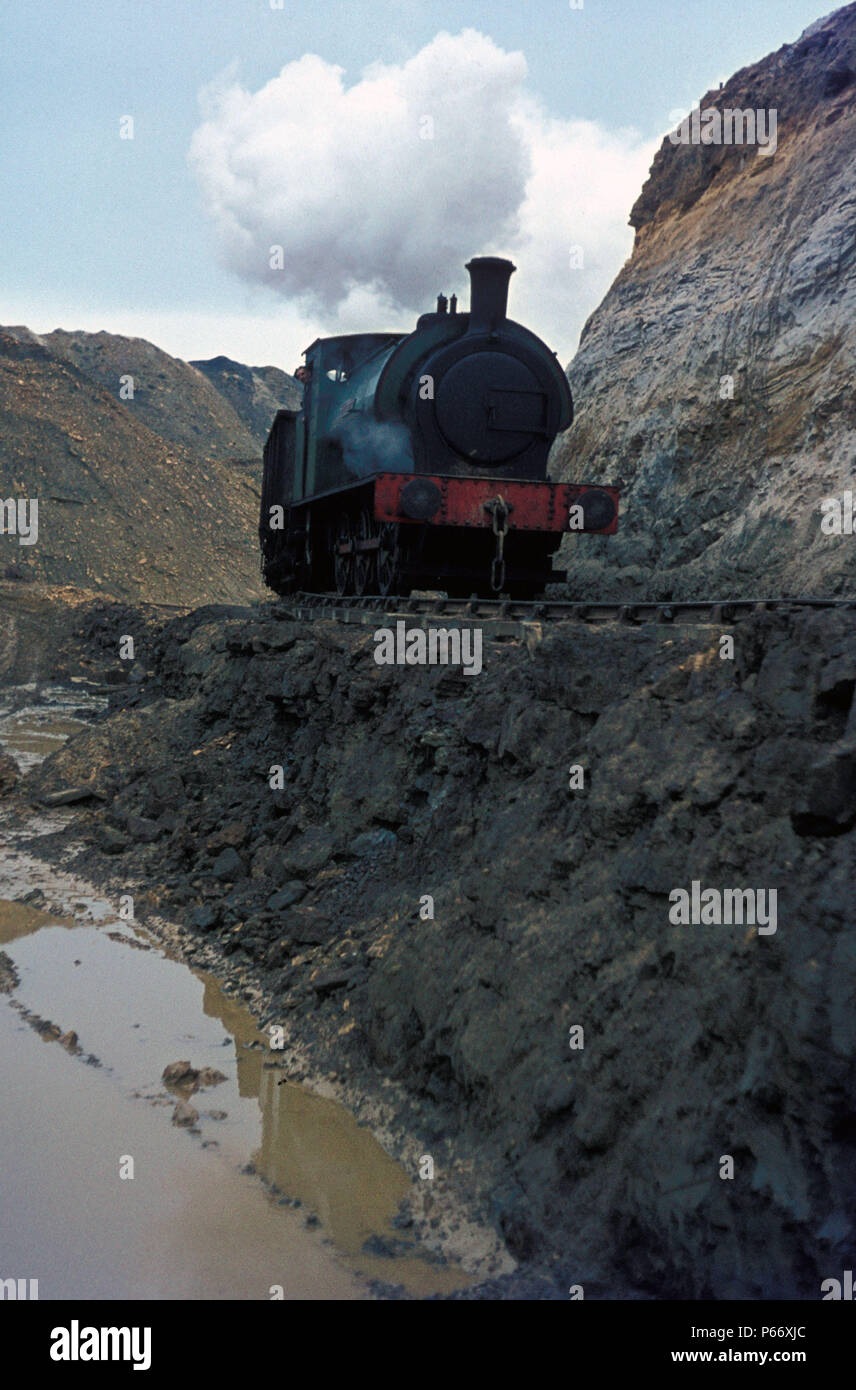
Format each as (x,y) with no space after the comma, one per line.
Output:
(98,232)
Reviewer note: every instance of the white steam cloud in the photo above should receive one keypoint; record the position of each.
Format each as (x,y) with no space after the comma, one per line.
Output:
(379,192)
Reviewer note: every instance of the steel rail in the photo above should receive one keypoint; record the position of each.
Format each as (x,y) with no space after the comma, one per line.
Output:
(509,617)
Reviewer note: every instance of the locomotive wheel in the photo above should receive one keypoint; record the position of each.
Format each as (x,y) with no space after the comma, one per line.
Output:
(364,561)
(307,565)
(343,565)
(388,559)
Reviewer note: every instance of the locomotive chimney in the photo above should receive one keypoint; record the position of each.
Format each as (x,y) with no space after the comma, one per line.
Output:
(489,277)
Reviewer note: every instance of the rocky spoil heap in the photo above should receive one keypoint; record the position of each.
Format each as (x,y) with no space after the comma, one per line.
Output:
(171,397)
(716,378)
(119,509)
(51,634)
(551,910)
(255,393)
(217,409)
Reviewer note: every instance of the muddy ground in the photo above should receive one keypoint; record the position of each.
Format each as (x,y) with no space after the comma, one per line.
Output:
(597,1164)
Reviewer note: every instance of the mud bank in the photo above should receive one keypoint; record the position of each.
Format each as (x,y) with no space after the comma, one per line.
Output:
(217,1178)
(406,791)
(62,634)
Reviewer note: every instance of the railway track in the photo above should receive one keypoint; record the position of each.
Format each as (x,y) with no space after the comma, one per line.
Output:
(510,618)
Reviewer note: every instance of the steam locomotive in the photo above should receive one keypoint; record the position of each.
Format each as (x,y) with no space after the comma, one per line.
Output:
(420,460)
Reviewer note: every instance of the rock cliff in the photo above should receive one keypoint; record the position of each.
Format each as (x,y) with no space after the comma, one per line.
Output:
(716,378)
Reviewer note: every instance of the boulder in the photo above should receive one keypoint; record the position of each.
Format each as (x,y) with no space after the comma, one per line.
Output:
(308,853)
(206,917)
(111,841)
(184,1114)
(228,866)
(372,842)
(9,774)
(286,897)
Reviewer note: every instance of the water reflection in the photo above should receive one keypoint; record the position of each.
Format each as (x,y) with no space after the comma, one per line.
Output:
(314,1149)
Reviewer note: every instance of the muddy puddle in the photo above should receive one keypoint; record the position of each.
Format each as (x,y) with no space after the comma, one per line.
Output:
(35,721)
(265,1186)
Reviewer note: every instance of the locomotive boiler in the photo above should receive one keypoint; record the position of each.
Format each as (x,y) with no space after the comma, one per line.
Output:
(419,460)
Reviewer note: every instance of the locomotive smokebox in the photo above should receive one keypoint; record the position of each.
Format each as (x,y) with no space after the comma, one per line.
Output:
(489,277)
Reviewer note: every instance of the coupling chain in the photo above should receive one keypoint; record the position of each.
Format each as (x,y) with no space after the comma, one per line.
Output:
(499,510)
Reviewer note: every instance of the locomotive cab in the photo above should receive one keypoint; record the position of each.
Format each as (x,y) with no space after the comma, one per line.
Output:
(338,366)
